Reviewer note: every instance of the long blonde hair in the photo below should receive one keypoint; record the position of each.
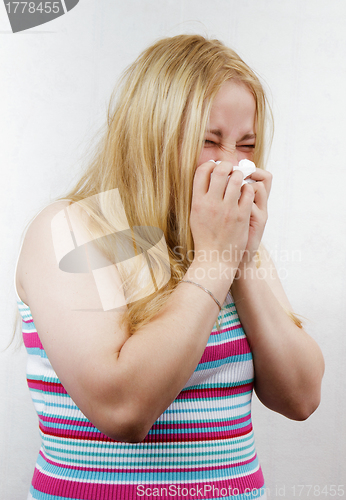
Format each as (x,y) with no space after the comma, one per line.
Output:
(155,131)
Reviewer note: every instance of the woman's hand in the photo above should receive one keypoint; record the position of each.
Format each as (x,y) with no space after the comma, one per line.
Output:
(220,217)
(259,213)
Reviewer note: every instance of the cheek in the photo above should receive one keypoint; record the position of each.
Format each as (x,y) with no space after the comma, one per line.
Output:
(243,155)
(206,155)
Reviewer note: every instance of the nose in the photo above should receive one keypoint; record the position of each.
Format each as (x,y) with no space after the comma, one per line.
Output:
(229,154)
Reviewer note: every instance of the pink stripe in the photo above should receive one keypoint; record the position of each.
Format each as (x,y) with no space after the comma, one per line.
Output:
(95,435)
(63,421)
(31,339)
(40,385)
(98,491)
(199,436)
(214,392)
(27,320)
(231,348)
(159,425)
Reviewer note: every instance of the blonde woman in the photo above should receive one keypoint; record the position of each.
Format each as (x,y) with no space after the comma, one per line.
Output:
(142,369)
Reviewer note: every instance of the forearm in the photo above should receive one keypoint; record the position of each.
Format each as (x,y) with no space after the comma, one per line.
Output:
(155,363)
(288,363)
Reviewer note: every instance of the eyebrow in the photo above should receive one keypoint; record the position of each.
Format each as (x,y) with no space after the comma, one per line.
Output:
(218,133)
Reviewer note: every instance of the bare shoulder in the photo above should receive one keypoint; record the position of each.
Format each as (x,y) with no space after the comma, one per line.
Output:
(36,242)
(56,233)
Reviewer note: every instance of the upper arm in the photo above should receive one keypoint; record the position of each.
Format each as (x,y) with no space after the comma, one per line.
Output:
(80,338)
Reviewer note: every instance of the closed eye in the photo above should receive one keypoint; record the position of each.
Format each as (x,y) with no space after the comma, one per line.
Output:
(246,147)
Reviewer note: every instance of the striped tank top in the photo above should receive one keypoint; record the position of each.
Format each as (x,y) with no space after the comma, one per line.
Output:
(201,447)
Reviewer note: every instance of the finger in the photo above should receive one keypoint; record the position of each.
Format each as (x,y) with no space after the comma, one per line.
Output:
(256,213)
(261,195)
(258,219)
(262,176)
(232,190)
(220,179)
(201,179)
(247,197)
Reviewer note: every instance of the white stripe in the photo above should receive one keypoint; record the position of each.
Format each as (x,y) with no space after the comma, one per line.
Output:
(228,373)
(209,404)
(214,415)
(226,340)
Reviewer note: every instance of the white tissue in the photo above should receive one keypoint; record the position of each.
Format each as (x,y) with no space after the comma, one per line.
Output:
(246,167)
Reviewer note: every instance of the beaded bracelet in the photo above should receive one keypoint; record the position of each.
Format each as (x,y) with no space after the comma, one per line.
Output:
(205,289)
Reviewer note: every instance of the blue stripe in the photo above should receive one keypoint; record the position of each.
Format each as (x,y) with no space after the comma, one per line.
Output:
(54,380)
(36,351)
(49,393)
(202,420)
(219,385)
(197,430)
(201,410)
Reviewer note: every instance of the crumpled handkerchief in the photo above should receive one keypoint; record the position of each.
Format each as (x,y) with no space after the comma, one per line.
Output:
(246,167)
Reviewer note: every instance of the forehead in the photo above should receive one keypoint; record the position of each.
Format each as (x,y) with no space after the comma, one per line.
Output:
(233,106)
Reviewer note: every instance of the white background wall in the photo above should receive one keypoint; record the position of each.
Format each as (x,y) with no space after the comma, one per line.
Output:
(55,83)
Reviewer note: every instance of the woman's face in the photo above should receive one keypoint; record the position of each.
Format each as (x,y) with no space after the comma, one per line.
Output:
(230,134)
